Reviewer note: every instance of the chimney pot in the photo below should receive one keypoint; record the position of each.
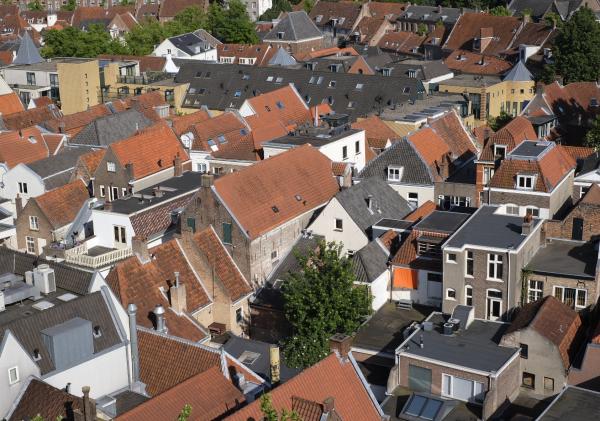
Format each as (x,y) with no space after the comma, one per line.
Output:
(341,343)
(135,356)
(207,180)
(527,225)
(177,294)
(328,404)
(159,313)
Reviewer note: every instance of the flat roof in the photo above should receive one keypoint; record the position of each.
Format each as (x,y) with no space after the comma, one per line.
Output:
(486,228)
(315,140)
(398,224)
(171,188)
(49,65)
(530,149)
(472,80)
(442,221)
(573,259)
(473,348)
(573,403)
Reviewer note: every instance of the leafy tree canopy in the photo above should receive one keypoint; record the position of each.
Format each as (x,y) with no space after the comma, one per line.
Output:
(35,5)
(73,42)
(278,7)
(231,25)
(321,300)
(496,123)
(592,137)
(500,11)
(270,413)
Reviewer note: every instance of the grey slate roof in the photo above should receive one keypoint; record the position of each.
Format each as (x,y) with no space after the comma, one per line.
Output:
(190,43)
(369,262)
(55,164)
(575,259)
(386,203)
(28,52)
(431,14)
(540,7)
(402,154)
(93,307)
(295,26)
(573,403)
(442,221)
(425,69)
(487,229)
(221,86)
(111,128)
(519,73)
(282,58)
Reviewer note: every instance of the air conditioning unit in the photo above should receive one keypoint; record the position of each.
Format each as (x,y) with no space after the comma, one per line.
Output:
(44,280)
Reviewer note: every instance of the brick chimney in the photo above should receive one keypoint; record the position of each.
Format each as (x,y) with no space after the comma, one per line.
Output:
(207,180)
(177,166)
(19,204)
(328,405)
(341,343)
(89,406)
(140,248)
(178,296)
(527,225)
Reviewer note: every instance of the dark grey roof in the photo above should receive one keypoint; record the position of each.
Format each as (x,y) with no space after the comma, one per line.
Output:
(442,221)
(67,277)
(531,149)
(315,140)
(295,26)
(59,163)
(431,14)
(370,262)
(537,7)
(28,52)
(401,154)
(236,346)
(573,403)
(488,229)
(575,259)
(473,348)
(290,264)
(424,69)
(386,202)
(591,163)
(221,86)
(191,43)
(93,308)
(282,58)
(518,73)
(111,128)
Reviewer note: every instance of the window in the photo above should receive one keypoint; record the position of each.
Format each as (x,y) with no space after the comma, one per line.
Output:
(359,86)
(500,151)
(357,147)
(274,255)
(451,257)
(524,351)
(114,193)
(102,191)
(344,152)
(582,191)
(549,384)
(13,375)
(339,224)
(191,223)
(123,192)
(227,233)
(525,182)
(536,291)
(33,223)
(413,200)
(573,297)
(535,212)
(512,210)
(30,244)
(395,173)
(488,173)
(495,266)
(451,294)
(237,94)
(528,380)
(119,233)
(54,79)
(425,248)
(239,316)
(468,295)
(111,166)
(332,83)
(462,389)
(23,188)
(494,304)
(469,263)
(30,78)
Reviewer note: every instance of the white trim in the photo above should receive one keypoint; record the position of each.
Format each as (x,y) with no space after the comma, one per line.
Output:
(445,364)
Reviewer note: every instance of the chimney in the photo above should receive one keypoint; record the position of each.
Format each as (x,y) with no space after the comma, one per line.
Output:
(527,225)
(439,9)
(21,134)
(133,341)
(177,166)
(61,127)
(207,180)
(275,363)
(370,202)
(159,313)
(19,204)
(178,296)
(129,170)
(139,247)
(328,405)
(341,343)
(89,406)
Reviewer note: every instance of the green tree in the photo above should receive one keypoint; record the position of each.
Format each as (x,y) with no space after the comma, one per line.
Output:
(35,5)
(500,11)
(552,19)
(73,42)
(577,48)
(270,413)
(70,6)
(278,7)
(185,413)
(547,75)
(422,29)
(321,300)
(232,25)
(142,38)
(190,19)
(308,5)
(592,137)
(496,123)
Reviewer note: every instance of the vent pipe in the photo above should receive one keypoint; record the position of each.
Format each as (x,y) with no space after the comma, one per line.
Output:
(133,341)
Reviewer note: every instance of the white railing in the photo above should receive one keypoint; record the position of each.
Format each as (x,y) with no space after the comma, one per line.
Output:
(80,249)
(101,260)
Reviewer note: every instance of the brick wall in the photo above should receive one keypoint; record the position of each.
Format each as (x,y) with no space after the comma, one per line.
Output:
(591,285)
(564,229)
(23,229)
(521,199)
(102,177)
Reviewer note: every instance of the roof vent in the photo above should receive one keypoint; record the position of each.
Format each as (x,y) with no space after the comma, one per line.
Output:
(275,209)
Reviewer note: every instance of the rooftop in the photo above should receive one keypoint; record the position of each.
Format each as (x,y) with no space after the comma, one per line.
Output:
(442,221)
(576,259)
(530,149)
(486,228)
(475,347)
(573,403)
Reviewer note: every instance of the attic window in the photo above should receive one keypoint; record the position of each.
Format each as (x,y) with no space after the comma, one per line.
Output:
(280,35)
(412,73)
(207,75)
(395,173)
(319,18)
(500,151)
(341,21)
(359,86)
(298,197)
(312,80)
(32,139)
(269,78)
(594,102)
(202,91)
(249,357)
(221,139)
(198,74)
(332,83)
(275,209)
(245,76)
(406,90)
(279,105)
(525,182)
(237,94)
(279,80)
(97,331)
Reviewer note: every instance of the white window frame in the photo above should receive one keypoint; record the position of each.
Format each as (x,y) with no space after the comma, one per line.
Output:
(467,259)
(469,294)
(111,166)
(488,298)
(16,376)
(537,291)
(102,191)
(30,241)
(335,223)
(34,223)
(414,200)
(450,260)
(488,173)
(497,148)
(577,291)
(451,394)
(512,207)
(395,173)
(123,192)
(497,260)
(533,209)
(122,234)
(522,179)
(448,297)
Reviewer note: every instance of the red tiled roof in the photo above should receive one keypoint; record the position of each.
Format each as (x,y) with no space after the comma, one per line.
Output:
(578,152)
(209,393)
(429,144)
(32,117)
(85,15)
(10,104)
(403,42)
(22,147)
(376,131)
(349,10)
(368,27)
(421,212)
(511,135)
(228,125)
(43,101)
(182,124)
(46,402)
(73,123)
(576,95)
(53,141)
(157,219)
(134,282)
(244,148)
(6,57)
(169,8)
(261,52)
(469,62)
(284,105)
(406,255)
(332,377)
(91,160)
(592,197)
(325,52)
(384,9)
(62,204)
(482,133)
(265,195)
(449,127)
(532,34)
(152,150)
(340,168)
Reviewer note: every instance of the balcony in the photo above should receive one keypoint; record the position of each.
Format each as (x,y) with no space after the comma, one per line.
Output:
(92,255)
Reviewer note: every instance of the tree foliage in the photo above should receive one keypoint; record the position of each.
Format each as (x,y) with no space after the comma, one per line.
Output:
(496,123)
(231,25)
(321,300)
(278,7)
(592,137)
(500,11)
(270,413)
(35,5)
(576,49)
(73,42)
(70,6)
(185,413)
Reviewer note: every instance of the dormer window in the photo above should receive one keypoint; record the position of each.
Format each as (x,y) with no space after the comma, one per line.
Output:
(525,182)
(412,73)
(500,151)
(111,166)
(280,35)
(395,173)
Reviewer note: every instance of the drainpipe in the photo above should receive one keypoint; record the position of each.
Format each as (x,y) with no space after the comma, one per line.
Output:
(133,341)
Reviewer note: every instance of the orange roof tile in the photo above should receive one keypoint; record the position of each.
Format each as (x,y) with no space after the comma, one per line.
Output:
(150,151)
(22,147)
(325,52)
(284,105)
(511,135)
(32,117)
(332,377)
(578,152)
(384,9)
(10,104)
(54,142)
(184,123)
(376,131)
(450,128)
(276,190)
(429,144)
(62,204)
(405,278)
(6,57)
(406,255)
(228,125)
(402,42)
(73,123)
(261,52)
(43,101)
(91,160)
(421,212)
(469,62)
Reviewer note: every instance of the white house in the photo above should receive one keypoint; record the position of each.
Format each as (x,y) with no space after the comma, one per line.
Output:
(197,45)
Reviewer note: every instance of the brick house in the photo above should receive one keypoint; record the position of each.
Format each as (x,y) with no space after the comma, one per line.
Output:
(548,334)
(458,360)
(582,221)
(337,18)
(482,262)
(147,158)
(260,211)
(45,219)
(297,33)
